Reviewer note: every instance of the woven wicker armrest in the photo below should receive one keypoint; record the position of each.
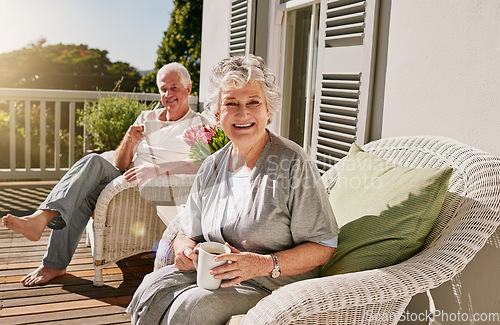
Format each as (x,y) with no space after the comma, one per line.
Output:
(329,300)
(116,186)
(167,187)
(354,298)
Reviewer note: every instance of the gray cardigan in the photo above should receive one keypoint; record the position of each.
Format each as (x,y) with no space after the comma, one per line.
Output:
(284,205)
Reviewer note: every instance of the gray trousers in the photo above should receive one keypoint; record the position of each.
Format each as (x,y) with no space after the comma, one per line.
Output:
(170,296)
(74,197)
(199,306)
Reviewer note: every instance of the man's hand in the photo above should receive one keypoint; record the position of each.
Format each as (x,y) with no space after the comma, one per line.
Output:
(125,151)
(134,134)
(142,173)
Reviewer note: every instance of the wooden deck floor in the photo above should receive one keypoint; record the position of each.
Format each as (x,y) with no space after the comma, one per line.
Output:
(70,299)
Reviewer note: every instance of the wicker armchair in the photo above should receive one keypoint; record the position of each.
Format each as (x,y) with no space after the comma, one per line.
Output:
(470,214)
(125,220)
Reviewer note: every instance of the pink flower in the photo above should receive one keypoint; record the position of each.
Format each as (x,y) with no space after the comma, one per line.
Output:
(190,135)
(201,131)
(204,140)
(206,133)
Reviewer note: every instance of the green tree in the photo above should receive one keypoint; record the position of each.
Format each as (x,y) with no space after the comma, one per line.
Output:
(73,67)
(181,43)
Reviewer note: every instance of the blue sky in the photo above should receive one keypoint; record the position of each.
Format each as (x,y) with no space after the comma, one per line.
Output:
(130,30)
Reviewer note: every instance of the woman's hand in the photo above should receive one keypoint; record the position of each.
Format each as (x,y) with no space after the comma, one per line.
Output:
(184,259)
(297,260)
(243,266)
(184,255)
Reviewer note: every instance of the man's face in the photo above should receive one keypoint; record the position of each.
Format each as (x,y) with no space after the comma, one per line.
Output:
(174,96)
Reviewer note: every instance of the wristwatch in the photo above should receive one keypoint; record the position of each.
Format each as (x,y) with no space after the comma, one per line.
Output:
(276,270)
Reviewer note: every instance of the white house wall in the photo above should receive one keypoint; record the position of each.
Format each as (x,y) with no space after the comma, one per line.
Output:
(443,71)
(215,39)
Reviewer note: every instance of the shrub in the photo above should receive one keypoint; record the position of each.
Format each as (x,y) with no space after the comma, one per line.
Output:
(107,120)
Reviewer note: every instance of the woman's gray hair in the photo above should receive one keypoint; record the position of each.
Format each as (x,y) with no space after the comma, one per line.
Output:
(235,73)
(177,68)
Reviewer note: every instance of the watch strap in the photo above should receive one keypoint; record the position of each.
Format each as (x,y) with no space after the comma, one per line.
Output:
(276,269)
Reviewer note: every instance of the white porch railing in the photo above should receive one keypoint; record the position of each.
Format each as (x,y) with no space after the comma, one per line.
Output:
(60,103)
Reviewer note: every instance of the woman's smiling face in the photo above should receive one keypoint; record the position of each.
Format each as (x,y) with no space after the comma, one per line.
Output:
(243,114)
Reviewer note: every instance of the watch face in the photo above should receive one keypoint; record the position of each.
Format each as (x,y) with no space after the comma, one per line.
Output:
(275,273)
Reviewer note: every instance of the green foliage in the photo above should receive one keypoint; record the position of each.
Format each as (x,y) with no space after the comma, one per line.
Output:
(108,119)
(72,67)
(181,43)
(218,140)
(148,82)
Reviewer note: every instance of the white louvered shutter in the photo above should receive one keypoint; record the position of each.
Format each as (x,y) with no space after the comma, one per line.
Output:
(344,78)
(241,29)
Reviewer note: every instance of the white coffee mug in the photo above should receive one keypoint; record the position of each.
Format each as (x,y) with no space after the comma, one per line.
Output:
(206,254)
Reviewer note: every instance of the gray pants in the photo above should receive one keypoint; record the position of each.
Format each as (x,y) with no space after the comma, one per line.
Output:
(199,306)
(170,296)
(74,197)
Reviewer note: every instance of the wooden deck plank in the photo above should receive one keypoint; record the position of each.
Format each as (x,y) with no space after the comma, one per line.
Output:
(98,315)
(66,305)
(109,280)
(72,268)
(82,273)
(72,294)
(63,289)
(108,319)
(34,257)
(27,265)
(34,251)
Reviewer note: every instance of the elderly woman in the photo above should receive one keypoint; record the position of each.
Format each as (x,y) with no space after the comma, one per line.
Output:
(261,195)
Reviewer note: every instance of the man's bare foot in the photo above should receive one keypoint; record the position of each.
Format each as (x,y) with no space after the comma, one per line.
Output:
(41,275)
(31,226)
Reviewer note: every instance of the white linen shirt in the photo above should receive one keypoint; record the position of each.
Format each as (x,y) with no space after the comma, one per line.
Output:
(164,144)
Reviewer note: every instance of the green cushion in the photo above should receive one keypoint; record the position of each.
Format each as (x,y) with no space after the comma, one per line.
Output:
(384,211)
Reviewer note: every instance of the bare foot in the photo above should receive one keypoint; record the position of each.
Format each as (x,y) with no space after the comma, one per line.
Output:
(31,226)
(41,275)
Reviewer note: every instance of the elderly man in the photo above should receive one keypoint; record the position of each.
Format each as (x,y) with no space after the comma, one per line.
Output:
(71,202)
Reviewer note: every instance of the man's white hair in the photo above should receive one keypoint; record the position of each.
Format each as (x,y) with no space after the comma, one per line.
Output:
(177,68)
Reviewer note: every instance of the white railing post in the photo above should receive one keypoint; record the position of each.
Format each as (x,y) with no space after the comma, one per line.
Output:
(57,138)
(85,140)
(72,122)
(27,135)
(43,135)
(12,120)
